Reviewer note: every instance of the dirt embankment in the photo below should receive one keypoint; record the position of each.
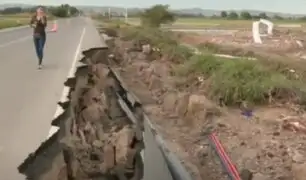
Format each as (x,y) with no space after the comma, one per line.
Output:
(270,145)
(96,139)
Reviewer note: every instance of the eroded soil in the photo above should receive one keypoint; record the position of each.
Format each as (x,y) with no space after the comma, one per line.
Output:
(271,144)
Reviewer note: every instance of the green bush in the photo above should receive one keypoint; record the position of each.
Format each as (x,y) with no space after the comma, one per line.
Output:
(157,15)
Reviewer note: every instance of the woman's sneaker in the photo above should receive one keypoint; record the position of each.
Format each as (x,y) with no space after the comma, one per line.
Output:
(40,66)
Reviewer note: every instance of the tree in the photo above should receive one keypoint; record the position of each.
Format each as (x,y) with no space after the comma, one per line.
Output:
(12,10)
(233,15)
(214,16)
(302,18)
(59,12)
(223,14)
(64,10)
(263,15)
(277,17)
(256,17)
(157,15)
(74,11)
(245,15)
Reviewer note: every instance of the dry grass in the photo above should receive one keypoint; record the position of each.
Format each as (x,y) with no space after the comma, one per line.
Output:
(217,23)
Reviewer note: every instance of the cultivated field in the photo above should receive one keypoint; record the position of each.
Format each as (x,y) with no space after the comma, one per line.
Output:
(6,22)
(15,20)
(208,23)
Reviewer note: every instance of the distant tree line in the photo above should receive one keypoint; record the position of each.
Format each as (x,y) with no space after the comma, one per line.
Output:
(244,15)
(232,15)
(64,10)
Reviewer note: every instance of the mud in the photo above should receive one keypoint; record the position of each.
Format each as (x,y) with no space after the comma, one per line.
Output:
(96,139)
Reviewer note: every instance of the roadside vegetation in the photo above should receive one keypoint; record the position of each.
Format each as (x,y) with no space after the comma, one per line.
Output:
(247,102)
(230,81)
(16,16)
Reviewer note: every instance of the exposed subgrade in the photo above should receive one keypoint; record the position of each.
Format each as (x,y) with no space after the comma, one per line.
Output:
(96,139)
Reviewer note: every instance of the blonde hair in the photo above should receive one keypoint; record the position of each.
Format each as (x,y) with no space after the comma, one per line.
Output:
(39,8)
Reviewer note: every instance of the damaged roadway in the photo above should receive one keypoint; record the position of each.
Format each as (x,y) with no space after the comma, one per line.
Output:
(28,96)
(88,99)
(32,121)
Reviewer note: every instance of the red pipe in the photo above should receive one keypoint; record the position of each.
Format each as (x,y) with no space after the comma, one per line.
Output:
(222,159)
(225,157)
(232,166)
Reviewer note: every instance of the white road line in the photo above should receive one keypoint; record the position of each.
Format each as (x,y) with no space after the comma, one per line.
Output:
(65,92)
(15,41)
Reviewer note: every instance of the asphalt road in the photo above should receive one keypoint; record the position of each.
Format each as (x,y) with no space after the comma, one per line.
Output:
(28,96)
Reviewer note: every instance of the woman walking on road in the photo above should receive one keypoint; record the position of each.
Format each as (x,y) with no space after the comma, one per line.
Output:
(39,23)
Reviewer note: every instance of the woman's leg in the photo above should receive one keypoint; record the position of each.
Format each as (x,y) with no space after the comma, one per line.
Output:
(42,42)
(36,46)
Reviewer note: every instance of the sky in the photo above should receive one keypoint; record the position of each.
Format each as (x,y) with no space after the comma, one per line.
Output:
(285,6)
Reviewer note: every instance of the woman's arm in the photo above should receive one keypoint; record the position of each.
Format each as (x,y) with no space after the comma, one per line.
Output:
(44,20)
(33,22)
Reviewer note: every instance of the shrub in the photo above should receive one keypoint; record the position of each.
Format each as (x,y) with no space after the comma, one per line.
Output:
(157,15)
(237,80)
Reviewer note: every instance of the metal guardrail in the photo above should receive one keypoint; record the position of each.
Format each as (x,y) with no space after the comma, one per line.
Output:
(164,163)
